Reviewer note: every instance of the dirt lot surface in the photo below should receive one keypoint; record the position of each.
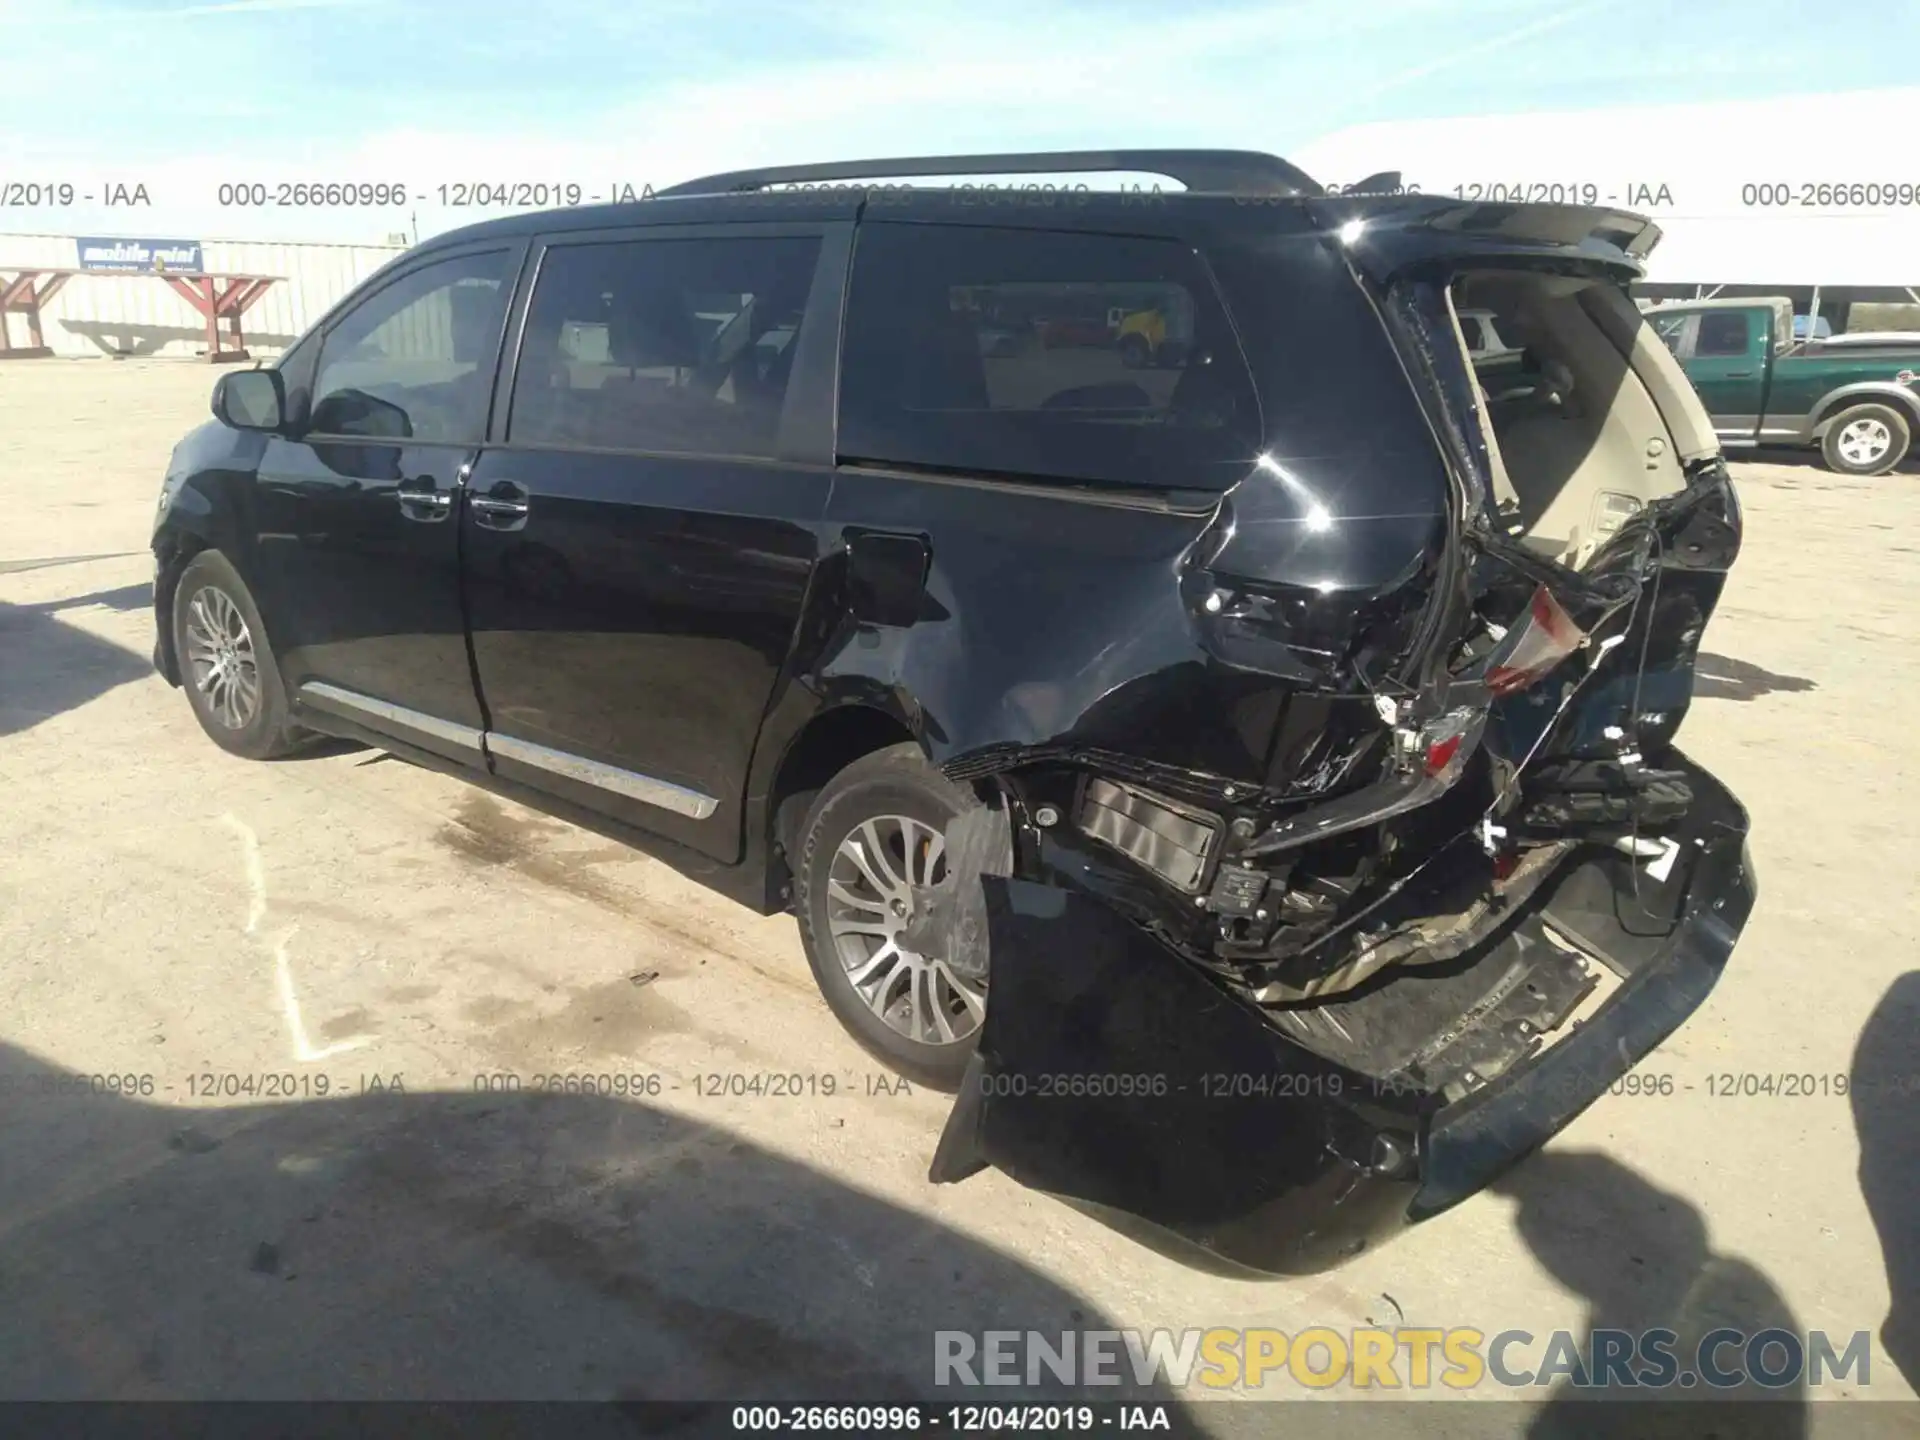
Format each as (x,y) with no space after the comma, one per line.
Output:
(177,917)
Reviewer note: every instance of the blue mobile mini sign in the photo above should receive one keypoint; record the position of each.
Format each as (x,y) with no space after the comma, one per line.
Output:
(179,256)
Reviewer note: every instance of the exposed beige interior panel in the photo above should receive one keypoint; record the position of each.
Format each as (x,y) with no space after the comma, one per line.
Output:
(1687,419)
(1583,439)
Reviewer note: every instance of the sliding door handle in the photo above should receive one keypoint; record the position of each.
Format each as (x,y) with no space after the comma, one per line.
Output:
(487,505)
(503,505)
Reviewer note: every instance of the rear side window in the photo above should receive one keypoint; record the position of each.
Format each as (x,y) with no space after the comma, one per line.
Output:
(1021,352)
(415,359)
(1721,332)
(678,346)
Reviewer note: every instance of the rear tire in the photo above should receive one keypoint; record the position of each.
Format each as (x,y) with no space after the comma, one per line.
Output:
(872,841)
(1866,440)
(226,665)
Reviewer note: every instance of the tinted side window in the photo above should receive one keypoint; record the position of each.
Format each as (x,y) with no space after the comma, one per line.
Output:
(415,359)
(682,346)
(1470,330)
(1721,332)
(1082,357)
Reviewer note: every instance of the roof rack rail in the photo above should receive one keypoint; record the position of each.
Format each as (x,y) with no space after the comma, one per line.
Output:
(1235,172)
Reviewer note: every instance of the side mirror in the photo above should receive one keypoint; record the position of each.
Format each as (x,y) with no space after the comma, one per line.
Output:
(250,400)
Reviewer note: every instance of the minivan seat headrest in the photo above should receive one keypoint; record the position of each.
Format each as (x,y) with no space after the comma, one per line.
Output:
(653,330)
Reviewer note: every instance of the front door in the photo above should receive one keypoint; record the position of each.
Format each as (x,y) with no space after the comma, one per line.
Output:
(1728,369)
(638,550)
(357,521)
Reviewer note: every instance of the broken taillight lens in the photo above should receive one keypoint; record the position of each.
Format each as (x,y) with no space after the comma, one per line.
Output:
(1534,646)
(1443,745)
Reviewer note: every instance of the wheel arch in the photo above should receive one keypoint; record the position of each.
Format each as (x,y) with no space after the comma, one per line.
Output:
(825,744)
(1866,392)
(173,550)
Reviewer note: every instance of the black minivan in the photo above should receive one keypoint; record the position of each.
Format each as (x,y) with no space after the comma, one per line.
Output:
(1193,708)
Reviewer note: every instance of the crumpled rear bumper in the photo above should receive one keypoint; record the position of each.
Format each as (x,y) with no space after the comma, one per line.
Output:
(1116,1075)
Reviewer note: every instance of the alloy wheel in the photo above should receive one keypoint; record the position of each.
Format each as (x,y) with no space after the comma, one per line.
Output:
(1865,441)
(221,655)
(876,885)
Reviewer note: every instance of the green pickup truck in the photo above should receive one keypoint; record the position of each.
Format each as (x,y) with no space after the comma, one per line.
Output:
(1855,397)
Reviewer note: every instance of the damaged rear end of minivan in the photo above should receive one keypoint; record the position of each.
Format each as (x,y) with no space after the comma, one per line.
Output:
(1265,1025)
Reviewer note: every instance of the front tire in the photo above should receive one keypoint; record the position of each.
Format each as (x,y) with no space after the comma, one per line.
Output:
(1866,440)
(226,665)
(871,867)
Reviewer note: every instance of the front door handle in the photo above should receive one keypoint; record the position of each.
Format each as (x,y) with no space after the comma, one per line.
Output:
(420,501)
(1739,374)
(503,507)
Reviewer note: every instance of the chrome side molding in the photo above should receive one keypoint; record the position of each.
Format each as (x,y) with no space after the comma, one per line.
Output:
(385,715)
(352,705)
(635,786)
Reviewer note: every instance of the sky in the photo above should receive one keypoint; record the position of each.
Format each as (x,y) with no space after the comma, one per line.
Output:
(180,96)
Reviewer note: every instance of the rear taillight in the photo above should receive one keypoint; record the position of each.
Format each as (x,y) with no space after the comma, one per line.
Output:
(1534,646)
(1443,745)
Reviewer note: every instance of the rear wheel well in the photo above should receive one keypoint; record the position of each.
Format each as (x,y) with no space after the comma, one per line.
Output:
(172,557)
(830,742)
(1895,400)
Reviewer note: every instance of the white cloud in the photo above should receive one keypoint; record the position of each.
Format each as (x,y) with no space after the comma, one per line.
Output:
(1479,50)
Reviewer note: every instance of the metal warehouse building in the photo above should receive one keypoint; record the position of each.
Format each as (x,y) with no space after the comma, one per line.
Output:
(95,313)
(1784,196)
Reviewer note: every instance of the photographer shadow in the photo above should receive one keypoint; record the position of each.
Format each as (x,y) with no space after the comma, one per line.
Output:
(1640,1258)
(1885,1095)
(467,1247)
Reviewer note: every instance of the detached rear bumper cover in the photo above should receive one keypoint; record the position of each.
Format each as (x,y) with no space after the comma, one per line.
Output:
(1115,1074)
